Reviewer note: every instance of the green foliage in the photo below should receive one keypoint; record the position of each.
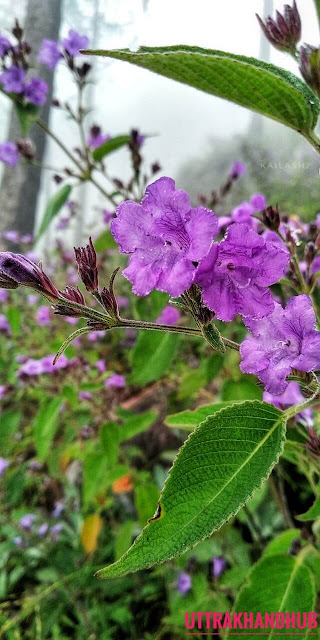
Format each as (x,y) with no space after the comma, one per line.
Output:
(277,583)
(259,86)
(190,419)
(253,433)
(27,115)
(312,514)
(53,207)
(109,146)
(152,356)
(45,425)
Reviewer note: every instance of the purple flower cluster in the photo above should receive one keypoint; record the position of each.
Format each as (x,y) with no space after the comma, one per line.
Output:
(32,367)
(9,153)
(14,80)
(51,52)
(280,342)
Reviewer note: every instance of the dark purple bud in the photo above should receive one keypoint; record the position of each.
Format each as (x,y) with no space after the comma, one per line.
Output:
(95,131)
(295,547)
(17,30)
(309,253)
(271,218)
(87,266)
(74,294)
(284,32)
(118,183)
(155,167)
(184,583)
(27,149)
(108,297)
(57,178)
(55,103)
(84,70)
(310,66)
(16,269)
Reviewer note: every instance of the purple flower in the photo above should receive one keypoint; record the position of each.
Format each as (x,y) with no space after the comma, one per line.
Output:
(4,324)
(95,141)
(18,541)
(43,316)
(218,566)
(101,366)
(43,529)
(32,299)
(169,315)
(5,45)
(26,238)
(63,223)
(58,509)
(55,531)
(49,54)
(4,296)
(71,320)
(47,365)
(9,154)
(13,80)
(26,521)
(292,395)
(238,169)
(243,212)
(3,465)
(236,273)
(11,235)
(115,380)
(165,237)
(123,302)
(95,335)
(62,363)
(31,368)
(284,340)
(74,42)
(36,91)
(258,201)
(16,269)
(3,390)
(84,395)
(184,583)
(107,216)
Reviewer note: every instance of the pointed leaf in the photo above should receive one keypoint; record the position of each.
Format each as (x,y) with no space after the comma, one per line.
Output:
(109,146)
(259,86)
(312,514)
(212,335)
(190,419)
(152,356)
(45,425)
(53,207)
(276,584)
(216,472)
(69,339)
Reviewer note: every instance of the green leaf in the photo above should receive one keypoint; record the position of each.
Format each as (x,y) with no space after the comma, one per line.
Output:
(104,242)
(243,389)
(146,498)
(136,424)
(282,543)
(259,86)
(212,335)
(152,356)
(109,146)
(276,584)
(190,419)
(14,319)
(53,207)
(45,425)
(123,538)
(10,422)
(216,472)
(27,115)
(109,438)
(312,514)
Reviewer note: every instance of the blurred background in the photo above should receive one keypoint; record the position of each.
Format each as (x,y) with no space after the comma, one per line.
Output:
(193,136)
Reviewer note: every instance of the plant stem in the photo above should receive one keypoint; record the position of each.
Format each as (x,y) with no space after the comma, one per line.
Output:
(314,399)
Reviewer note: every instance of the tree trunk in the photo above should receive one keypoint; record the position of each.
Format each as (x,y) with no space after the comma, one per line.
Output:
(20,186)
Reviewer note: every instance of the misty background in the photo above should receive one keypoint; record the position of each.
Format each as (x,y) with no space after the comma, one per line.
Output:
(194,136)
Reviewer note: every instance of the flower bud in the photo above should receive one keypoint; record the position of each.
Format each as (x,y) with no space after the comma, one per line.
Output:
(109,299)
(271,218)
(74,295)
(310,66)
(309,253)
(87,266)
(27,149)
(16,269)
(284,32)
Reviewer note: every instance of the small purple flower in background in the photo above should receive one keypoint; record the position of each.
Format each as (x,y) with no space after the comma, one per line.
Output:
(49,54)
(36,91)
(96,138)
(285,340)
(292,395)
(62,363)
(236,274)
(107,215)
(58,509)
(71,320)
(63,223)
(184,583)
(4,296)
(11,235)
(31,368)
(238,169)
(5,45)
(32,299)
(26,522)
(3,465)
(9,154)
(55,531)
(165,236)
(47,365)
(258,201)
(115,380)
(3,391)
(169,315)
(43,316)
(95,335)
(101,366)
(218,566)
(35,465)
(243,212)
(17,540)
(4,324)
(43,529)
(123,302)
(85,395)
(13,80)
(74,42)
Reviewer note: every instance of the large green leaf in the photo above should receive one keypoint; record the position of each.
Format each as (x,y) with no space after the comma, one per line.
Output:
(276,584)
(45,426)
(152,356)
(109,146)
(53,207)
(259,86)
(312,514)
(190,419)
(216,472)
